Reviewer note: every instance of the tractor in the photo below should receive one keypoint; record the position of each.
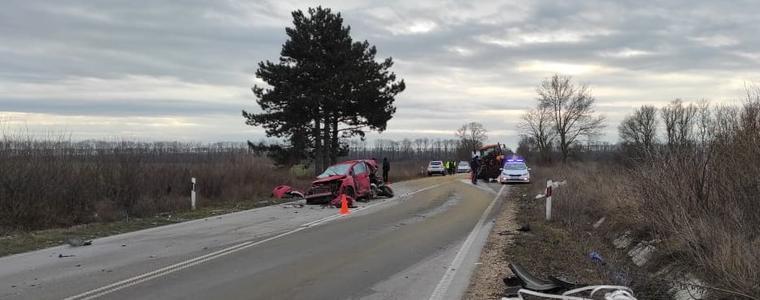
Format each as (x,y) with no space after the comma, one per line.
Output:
(491,160)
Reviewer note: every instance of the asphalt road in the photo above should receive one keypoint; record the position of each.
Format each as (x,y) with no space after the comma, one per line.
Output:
(422,244)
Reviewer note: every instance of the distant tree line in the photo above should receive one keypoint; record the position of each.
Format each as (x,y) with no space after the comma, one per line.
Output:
(408,149)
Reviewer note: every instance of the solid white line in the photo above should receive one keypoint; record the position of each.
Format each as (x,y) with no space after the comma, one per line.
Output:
(440,290)
(95,293)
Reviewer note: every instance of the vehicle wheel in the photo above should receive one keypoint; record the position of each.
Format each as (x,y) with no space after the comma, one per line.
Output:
(386,191)
(350,193)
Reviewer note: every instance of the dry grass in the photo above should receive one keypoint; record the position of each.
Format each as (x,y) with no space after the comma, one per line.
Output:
(561,248)
(53,188)
(699,197)
(47,184)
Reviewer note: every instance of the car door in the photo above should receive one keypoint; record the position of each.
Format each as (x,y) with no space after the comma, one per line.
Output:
(361,178)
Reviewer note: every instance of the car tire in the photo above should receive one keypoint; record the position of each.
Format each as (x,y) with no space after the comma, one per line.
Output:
(350,193)
(387,191)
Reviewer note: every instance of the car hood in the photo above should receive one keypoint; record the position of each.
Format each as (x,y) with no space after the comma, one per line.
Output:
(514,172)
(328,179)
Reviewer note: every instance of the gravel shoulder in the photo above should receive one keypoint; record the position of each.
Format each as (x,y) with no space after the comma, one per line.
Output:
(485,282)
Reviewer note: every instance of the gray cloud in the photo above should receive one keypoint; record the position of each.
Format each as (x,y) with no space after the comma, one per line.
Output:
(463,61)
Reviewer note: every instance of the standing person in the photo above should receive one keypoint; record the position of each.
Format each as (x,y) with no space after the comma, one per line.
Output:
(475,168)
(386,168)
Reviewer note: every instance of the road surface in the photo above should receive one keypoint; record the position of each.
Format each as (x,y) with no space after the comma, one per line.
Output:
(421,244)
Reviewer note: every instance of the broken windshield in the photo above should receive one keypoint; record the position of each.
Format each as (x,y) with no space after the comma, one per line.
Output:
(341,169)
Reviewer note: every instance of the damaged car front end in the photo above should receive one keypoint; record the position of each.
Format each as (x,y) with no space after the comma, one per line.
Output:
(326,190)
(331,184)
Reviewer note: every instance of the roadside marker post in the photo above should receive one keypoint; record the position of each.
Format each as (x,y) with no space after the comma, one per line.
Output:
(548,194)
(192,195)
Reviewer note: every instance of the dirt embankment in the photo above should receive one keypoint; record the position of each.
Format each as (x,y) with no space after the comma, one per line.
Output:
(551,248)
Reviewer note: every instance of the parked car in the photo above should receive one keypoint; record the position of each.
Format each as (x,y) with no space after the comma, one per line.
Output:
(515,170)
(436,167)
(463,167)
(357,179)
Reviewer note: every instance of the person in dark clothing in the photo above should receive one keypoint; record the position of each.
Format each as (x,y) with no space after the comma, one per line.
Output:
(475,168)
(386,168)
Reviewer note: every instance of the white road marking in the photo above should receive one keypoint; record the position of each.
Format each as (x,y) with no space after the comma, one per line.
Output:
(95,293)
(440,290)
(478,186)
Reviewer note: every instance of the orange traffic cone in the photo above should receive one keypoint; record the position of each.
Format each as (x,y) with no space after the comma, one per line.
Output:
(343,205)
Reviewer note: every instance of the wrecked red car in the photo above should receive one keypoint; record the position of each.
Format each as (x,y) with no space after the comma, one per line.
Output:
(355,178)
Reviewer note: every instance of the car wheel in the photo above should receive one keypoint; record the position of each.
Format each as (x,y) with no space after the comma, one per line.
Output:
(387,191)
(350,193)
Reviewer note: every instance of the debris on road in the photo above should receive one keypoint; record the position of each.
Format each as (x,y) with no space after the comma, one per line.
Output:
(78,242)
(524,228)
(286,192)
(294,205)
(64,255)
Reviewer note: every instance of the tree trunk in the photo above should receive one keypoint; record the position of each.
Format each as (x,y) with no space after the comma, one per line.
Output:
(563,146)
(318,150)
(326,142)
(334,140)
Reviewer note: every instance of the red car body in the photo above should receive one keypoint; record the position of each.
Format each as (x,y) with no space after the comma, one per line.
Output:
(355,182)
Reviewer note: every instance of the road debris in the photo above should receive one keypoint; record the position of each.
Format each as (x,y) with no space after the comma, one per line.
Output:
(596,257)
(623,241)
(78,242)
(285,192)
(641,253)
(524,228)
(65,255)
(599,223)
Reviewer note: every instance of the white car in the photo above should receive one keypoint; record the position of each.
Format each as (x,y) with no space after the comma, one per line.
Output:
(463,167)
(436,167)
(515,170)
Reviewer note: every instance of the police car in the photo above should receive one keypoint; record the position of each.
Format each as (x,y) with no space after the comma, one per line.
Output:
(515,170)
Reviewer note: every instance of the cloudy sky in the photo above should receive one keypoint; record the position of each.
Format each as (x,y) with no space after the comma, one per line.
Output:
(182,70)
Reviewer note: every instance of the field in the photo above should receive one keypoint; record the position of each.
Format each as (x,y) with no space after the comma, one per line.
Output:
(51,189)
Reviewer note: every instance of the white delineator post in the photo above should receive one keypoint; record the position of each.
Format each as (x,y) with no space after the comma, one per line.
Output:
(192,195)
(548,194)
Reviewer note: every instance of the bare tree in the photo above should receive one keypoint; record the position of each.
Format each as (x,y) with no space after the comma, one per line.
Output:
(537,124)
(572,108)
(639,130)
(406,147)
(418,145)
(679,123)
(704,122)
(472,136)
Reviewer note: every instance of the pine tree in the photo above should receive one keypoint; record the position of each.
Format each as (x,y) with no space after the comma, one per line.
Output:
(324,89)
